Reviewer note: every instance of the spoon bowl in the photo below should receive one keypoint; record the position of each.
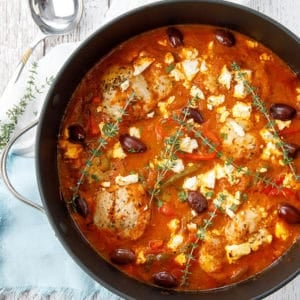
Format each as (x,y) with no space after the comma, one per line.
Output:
(56,16)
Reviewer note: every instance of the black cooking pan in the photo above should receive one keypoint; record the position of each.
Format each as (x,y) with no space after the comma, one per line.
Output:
(220,13)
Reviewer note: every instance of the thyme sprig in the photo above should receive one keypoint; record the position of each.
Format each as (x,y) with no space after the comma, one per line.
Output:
(13,114)
(109,130)
(167,157)
(200,236)
(261,106)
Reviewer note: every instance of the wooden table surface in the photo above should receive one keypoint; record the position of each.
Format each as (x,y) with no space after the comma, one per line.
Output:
(19,30)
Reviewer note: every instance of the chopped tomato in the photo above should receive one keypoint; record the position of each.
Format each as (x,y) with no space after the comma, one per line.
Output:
(156,244)
(93,126)
(167,209)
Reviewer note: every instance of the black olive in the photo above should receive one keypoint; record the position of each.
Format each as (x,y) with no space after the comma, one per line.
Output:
(282,111)
(175,37)
(131,144)
(289,213)
(76,134)
(225,37)
(81,206)
(194,114)
(292,149)
(197,201)
(122,256)
(165,279)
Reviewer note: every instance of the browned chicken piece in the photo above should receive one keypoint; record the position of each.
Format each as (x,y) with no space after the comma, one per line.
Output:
(123,211)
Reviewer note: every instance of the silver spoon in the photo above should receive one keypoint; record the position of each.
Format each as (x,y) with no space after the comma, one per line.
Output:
(54,17)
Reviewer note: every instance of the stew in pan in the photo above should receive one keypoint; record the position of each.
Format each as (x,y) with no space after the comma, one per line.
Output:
(179,157)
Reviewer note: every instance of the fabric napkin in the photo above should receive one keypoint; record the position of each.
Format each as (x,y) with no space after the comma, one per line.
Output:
(33,263)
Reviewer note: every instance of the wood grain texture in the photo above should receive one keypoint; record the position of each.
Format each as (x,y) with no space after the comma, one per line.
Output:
(18,30)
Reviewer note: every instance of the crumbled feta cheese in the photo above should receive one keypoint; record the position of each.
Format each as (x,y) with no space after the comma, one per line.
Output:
(240,91)
(190,68)
(173,225)
(265,57)
(117,151)
(270,151)
(224,114)
(251,44)
(281,232)
(178,166)
(283,124)
(191,227)
(175,241)
(180,259)
(190,183)
(188,145)
(126,180)
(135,132)
(169,58)
(207,179)
(238,129)
(234,252)
(241,110)
(189,53)
(213,101)
(196,92)
(177,74)
(228,202)
(203,66)
(105,184)
(225,77)
(150,114)
(141,64)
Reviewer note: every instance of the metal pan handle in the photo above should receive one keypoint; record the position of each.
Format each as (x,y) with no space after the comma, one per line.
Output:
(3,162)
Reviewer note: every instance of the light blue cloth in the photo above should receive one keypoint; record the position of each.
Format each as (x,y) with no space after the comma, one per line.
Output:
(31,257)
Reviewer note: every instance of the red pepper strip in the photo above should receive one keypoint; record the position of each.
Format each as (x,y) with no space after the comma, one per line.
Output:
(288,131)
(282,191)
(96,100)
(197,156)
(93,126)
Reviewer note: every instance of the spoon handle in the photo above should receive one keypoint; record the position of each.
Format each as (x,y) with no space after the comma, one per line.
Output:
(25,58)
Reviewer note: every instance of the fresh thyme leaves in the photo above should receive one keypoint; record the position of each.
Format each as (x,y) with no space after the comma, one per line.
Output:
(109,130)
(167,158)
(260,105)
(13,114)
(169,68)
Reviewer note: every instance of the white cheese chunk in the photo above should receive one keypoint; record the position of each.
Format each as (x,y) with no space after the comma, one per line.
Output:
(126,180)
(135,132)
(188,145)
(178,166)
(213,101)
(175,241)
(196,92)
(173,225)
(117,151)
(141,64)
(189,53)
(124,85)
(225,77)
(169,58)
(234,252)
(190,68)
(207,179)
(238,129)
(241,110)
(203,66)
(283,124)
(190,183)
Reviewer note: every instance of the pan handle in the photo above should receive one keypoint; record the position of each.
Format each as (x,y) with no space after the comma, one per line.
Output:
(3,162)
